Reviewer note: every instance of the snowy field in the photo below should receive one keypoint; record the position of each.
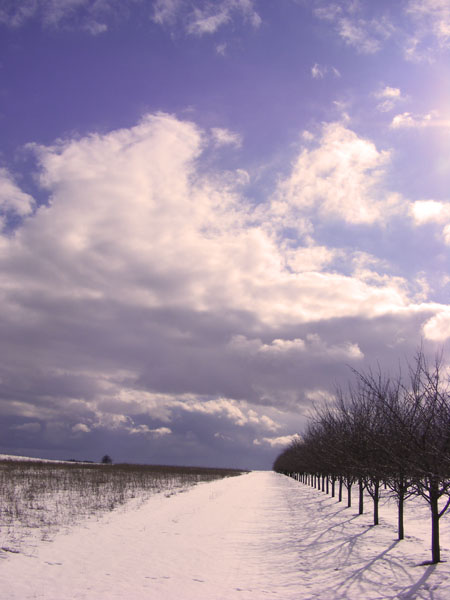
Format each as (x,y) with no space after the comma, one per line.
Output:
(39,499)
(258,536)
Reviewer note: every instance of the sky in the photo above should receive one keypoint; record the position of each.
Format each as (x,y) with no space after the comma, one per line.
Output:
(210,213)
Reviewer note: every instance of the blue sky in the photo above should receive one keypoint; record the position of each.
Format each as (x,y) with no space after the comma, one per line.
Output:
(209,212)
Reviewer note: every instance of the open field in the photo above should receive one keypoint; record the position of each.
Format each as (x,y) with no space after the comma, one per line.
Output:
(38,499)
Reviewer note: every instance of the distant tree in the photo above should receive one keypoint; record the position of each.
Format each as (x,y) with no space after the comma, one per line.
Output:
(107,460)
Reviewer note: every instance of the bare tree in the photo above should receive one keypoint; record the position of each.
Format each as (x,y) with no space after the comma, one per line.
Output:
(391,442)
(430,442)
(387,430)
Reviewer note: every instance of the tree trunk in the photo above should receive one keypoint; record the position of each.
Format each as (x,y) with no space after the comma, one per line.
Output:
(333,481)
(328,485)
(349,494)
(401,502)
(376,499)
(435,544)
(340,489)
(361,496)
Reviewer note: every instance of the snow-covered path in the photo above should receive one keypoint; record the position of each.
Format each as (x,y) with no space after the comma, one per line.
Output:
(258,536)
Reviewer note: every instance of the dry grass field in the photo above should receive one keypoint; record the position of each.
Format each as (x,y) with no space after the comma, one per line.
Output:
(41,498)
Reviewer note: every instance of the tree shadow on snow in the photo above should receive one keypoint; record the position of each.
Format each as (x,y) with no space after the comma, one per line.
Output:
(332,540)
(389,574)
(413,589)
(368,574)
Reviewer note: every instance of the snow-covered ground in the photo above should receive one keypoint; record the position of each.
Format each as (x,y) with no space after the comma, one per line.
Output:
(29,459)
(257,536)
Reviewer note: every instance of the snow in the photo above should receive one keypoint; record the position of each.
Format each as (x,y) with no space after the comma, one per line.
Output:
(14,457)
(257,536)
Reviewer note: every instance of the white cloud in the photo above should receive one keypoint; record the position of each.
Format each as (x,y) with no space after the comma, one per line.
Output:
(423,288)
(230,409)
(238,412)
(166,11)
(437,328)
(15,14)
(278,346)
(12,199)
(208,20)
(283,440)
(221,49)
(365,34)
(358,34)
(57,10)
(422,27)
(142,212)
(432,27)
(341,351)
(225,137)
(145,430)
(321,71)
(335,72)
(94,16)
(205,17)
(312,345)
(342,178)
(112,421)
(320,396)
(389,97)
(432,211)
(94,28)
(80,428)
(390,92)
(221,436)
(407,120)
(374,271)
(118,400)
(121,295)
(446,234)
(85,14)
(364,263)
(426,211)
(318,71)
(309,258)
(307,136)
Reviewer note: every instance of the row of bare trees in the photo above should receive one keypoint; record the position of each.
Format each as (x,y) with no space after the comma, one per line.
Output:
(382,432)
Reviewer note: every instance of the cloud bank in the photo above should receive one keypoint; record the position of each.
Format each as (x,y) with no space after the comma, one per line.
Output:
(149,297)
